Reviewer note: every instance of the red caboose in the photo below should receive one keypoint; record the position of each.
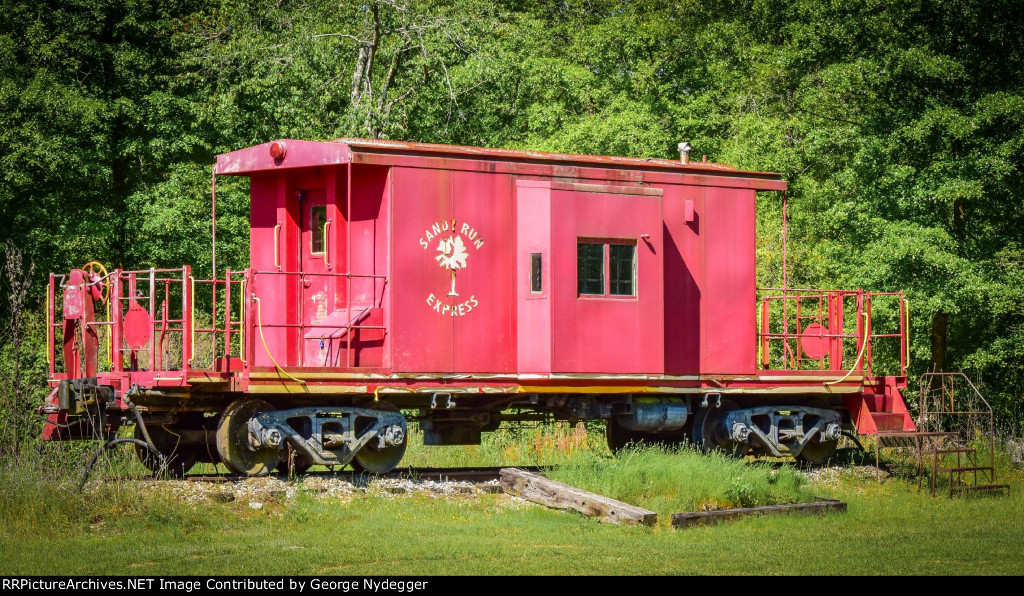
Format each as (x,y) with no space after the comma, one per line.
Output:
(472,286)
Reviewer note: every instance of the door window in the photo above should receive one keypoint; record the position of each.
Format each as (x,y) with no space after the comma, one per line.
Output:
(317,222)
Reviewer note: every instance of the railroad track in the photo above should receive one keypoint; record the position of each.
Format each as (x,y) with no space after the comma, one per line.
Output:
(478,475)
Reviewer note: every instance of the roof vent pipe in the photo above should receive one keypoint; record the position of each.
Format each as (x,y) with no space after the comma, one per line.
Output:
(684,152)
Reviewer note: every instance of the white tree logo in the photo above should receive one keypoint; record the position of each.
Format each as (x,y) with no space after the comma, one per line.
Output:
(452,256)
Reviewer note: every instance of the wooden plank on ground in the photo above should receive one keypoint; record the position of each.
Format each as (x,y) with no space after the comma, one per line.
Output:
(539,489)
(703,518)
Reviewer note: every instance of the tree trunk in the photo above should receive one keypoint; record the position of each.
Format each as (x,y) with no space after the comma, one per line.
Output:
(361,90)
(939,324)
(959,216)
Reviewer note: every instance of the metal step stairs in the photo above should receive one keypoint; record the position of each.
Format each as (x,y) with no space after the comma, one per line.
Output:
(948,401)
(941,464)
(935,448)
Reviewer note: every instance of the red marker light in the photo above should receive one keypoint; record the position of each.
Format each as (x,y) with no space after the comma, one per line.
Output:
(278,149)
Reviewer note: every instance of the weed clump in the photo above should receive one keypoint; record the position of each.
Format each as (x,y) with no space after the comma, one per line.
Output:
(41,496)
(677,479)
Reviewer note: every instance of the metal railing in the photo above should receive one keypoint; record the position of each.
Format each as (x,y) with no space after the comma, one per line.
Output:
(834,330)
(296,320)
(169,322)
(176,331)
(217,351)
(168,298)
(950,402)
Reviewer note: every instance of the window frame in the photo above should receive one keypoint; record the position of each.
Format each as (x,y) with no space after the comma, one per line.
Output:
(538,280)
(606,244)
(318,232)
(633,262)
(604,267)
(545,280)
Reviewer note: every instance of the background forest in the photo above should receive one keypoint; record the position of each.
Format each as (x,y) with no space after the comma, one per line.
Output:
(899,125)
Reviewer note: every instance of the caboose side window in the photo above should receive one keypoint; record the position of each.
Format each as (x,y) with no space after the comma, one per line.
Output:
(590,268)
(612,260)
(317,221)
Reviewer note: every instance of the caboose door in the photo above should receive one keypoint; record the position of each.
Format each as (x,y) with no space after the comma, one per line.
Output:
(315,283)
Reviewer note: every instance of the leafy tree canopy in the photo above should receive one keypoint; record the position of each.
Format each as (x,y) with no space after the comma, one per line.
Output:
(898,124)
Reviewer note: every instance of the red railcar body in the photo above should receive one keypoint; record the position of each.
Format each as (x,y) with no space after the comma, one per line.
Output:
(473,286)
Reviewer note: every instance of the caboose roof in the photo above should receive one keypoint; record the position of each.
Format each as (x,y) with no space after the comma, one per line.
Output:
(302,154)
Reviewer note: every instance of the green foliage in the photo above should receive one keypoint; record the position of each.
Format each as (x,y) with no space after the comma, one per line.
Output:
(898,125)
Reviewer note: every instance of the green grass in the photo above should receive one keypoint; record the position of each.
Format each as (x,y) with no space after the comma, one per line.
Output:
(890,527)
(542,445)
(669,480)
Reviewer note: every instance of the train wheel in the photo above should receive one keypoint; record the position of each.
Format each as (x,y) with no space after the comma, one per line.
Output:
(817,453)
(377,460)
(233,439)
(374,460)
(710,434)
(617,436)
(180,458)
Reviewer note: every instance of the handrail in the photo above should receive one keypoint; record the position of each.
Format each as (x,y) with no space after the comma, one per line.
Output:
(147,271)
(906,322)
(966,379)
(822,311)
(50,306)
(319,326)
(308,273)
(345,328)
(926,412)
(192,320)
(856,363)
(826,291)
(110,333)
(229,326)
(185,323)
(259,321)
(277,255)
(327,246)
(241,328)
